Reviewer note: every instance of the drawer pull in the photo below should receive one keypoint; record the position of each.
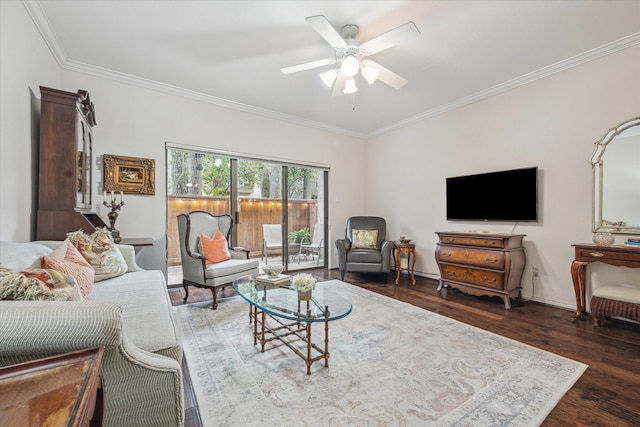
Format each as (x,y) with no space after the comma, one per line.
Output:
(491,260)
(490,243)
(597,254)
(488,280)
(446,254)
(450,273)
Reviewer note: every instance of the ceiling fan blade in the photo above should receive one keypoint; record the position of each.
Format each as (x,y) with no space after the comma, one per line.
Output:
(390,38)
(326,31)
(387,76)
(338,85)
(307,66)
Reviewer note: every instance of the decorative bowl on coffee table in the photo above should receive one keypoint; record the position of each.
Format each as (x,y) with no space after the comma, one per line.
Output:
(273,270)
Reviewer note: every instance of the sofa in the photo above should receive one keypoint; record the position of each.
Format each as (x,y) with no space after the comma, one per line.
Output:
(131,316)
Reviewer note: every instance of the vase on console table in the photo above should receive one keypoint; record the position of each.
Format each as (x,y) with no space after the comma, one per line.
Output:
(603,239)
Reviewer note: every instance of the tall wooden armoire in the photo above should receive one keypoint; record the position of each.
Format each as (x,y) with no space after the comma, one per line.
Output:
(64,185)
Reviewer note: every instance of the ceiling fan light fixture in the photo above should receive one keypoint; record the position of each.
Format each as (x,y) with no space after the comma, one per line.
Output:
(370,73)
(350,66)
(350,86)
(328,77)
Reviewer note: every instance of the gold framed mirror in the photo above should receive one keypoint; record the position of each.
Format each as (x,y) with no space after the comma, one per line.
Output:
(616,180)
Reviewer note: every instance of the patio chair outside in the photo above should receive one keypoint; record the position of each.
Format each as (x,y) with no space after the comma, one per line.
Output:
(272,239)
(316,245)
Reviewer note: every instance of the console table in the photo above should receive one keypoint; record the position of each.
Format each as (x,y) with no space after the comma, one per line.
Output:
(482,263)
(137,241)
(618,255)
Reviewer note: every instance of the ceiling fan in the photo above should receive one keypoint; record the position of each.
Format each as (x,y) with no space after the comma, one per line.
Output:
(351,54)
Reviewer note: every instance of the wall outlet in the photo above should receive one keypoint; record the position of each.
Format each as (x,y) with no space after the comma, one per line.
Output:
(536,272)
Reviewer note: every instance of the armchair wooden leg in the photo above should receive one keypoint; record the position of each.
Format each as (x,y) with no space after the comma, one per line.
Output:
(186,291)
(214,292)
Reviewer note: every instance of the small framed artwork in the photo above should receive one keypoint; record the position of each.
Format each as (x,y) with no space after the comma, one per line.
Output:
(131,175)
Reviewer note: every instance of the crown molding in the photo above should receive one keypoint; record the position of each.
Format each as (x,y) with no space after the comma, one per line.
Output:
(39,18)
(198,96)
(590,55)
(43,25)
(41,21)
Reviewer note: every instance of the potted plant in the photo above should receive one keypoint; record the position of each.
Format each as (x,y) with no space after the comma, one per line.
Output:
(304,283)
(300,236)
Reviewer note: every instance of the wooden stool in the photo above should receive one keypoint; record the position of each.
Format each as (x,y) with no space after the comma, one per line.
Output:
(615,301)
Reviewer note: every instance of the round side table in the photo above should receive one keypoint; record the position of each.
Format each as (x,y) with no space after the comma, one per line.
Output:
(410,250)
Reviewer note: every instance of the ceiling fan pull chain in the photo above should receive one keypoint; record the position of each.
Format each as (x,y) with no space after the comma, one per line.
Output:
(353,102)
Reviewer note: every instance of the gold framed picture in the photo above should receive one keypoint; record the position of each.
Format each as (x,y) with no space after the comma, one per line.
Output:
(131,175)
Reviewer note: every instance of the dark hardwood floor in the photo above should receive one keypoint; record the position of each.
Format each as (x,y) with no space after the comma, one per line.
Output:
(607,394)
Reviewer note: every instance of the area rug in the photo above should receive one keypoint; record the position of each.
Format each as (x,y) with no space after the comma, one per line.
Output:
(391,364)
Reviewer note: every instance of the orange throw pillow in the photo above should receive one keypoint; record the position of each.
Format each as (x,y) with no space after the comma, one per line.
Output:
(216,249)
(73,264)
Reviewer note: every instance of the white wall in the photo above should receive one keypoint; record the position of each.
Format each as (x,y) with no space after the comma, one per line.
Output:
(550,123)
(26,64)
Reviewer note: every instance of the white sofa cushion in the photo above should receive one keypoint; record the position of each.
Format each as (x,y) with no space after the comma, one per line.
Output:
(146,309)
(19,256)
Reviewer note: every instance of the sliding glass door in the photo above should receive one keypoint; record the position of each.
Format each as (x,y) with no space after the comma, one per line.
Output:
(259,218)
(305,217)
(195,182)
(254,192)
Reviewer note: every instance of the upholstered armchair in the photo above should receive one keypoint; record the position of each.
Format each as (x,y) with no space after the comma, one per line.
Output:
(196,271)
(364,248)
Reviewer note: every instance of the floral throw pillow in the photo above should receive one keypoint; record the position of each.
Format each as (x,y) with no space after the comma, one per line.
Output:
(364,239)
(101,252)
(37,285)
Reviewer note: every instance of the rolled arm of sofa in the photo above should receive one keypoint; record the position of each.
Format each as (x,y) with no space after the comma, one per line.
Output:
(141,388)
(42,328)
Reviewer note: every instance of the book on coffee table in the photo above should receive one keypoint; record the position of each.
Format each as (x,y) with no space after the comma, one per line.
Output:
(279,280)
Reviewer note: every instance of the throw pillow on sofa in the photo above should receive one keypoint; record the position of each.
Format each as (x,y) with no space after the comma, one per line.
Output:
(101,252)
(66,259)
(37,285)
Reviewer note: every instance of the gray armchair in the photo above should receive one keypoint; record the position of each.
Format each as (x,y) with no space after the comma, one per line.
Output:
(369,260)
(195,270)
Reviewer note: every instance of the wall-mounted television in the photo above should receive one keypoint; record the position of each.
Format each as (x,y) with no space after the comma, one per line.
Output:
(509,195)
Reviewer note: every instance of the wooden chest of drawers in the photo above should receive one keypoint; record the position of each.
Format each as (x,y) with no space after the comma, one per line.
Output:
(482,264)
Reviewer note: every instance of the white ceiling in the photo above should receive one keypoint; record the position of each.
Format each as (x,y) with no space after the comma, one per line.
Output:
(231,52)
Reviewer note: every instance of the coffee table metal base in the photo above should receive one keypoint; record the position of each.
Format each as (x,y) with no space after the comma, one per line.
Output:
(287,333)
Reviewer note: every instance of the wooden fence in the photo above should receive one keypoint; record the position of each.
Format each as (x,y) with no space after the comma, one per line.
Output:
(253,213)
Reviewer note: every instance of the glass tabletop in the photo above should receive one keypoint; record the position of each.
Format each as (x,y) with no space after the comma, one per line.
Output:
(282,301)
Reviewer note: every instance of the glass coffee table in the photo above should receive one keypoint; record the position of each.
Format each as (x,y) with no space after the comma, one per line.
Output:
(278,315)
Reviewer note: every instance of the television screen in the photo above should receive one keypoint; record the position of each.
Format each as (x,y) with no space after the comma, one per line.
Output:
(510,195)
